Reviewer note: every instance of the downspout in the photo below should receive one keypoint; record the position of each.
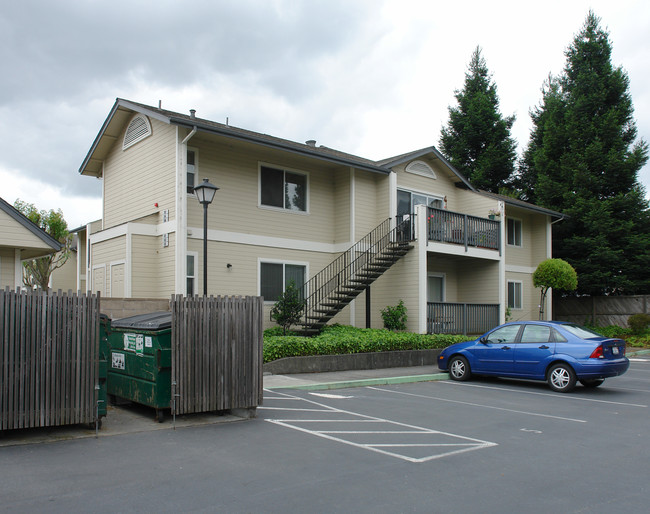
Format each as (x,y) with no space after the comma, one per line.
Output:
(181,216)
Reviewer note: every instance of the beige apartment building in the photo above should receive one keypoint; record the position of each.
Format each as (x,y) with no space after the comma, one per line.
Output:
(358,234)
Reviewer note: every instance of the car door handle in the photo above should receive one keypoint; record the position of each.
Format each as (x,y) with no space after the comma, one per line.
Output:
(543,347)
(505,348)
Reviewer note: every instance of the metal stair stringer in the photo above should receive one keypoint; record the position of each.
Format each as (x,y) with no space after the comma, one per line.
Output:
(350,274)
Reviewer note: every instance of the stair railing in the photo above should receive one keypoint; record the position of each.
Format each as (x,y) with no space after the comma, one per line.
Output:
(323,287)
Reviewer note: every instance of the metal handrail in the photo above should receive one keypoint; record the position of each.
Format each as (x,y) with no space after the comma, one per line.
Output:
(457,228)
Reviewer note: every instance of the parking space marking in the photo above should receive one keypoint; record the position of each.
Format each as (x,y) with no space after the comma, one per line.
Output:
(414,444)
(551,395)
(437,398)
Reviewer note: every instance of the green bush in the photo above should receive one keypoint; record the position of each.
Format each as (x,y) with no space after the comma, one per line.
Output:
(638,323)
(339,339)
(395,318)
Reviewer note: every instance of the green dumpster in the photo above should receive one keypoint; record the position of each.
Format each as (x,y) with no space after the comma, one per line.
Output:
(140,360)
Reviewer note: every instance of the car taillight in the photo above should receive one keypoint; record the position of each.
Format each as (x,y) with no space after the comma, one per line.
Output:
(597,353)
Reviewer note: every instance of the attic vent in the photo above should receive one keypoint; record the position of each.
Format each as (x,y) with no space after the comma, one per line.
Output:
(421,168)
(138,129)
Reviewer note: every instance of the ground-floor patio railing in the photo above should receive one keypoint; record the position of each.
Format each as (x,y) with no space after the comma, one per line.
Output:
(461,318)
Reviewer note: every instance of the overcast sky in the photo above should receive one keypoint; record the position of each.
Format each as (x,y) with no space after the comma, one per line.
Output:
(373,78)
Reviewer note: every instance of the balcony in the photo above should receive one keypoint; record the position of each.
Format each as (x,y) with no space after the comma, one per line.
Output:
(462,229)
(461,318)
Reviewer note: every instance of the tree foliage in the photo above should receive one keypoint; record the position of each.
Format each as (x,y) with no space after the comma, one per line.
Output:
(38,271)
(554,274)
(476,140)
(288,309)
(582,160)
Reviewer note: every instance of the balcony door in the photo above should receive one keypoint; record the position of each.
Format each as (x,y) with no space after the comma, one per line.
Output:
(435,288)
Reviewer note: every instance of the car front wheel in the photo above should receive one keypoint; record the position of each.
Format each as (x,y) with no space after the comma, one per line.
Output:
(561,378)
(459,369)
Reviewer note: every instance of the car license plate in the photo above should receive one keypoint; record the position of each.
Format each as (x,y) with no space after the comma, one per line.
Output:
(615,350)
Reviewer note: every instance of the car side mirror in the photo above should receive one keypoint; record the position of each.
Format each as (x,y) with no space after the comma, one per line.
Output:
(483,340)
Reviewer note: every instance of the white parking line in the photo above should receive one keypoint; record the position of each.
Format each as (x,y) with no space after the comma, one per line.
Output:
(435,444)
(551,395)
(437,398)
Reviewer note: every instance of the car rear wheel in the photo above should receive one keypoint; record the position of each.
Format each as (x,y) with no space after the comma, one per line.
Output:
(561,378)
(592,383)
(459,369)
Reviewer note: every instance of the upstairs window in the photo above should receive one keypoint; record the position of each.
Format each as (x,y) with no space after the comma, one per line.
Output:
(192,170)
(406,201)
(283,189)
(513,229)
(138,129)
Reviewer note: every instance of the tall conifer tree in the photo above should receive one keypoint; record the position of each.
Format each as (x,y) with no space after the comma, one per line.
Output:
(476,140)
(582,160)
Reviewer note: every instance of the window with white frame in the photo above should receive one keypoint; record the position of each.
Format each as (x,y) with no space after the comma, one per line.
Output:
(407,200)
(513,230)
(192,169)
(275,276)
(514,295)
(191,274)
(283,189)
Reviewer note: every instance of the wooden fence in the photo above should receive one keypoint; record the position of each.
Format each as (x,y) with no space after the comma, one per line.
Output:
(599,310)
(216,353)
(49,346)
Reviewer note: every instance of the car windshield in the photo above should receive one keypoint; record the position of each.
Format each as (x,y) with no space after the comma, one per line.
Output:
(581,332)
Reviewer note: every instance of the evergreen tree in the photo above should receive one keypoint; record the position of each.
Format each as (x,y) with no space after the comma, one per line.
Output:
(476,140)
(582,160)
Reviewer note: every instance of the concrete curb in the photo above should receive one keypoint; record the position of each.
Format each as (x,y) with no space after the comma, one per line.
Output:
(365,382)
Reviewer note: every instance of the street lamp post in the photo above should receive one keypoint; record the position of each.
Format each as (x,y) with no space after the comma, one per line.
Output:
(205,194)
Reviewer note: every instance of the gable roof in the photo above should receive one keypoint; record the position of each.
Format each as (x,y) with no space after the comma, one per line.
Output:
(123,110)
(31,227)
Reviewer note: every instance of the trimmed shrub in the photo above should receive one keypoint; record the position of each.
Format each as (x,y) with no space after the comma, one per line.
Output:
(638,323)
(395,318)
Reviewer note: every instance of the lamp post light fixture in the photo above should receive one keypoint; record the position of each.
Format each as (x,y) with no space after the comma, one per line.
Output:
(205,194)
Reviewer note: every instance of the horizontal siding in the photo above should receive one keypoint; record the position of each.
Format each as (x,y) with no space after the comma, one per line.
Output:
(478,281)
(342,207)
(109,251)
(7,271)
(15,235)
(366,209)
(152,161)
(530,297)
(400,282)
(166,268)
(145,266)
(235,207)
(534,246)
(65,277)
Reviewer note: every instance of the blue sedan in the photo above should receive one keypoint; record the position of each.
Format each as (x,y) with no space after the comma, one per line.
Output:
(557,352)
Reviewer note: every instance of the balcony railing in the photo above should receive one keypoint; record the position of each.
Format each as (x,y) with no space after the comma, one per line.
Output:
(461,318)
(462,229)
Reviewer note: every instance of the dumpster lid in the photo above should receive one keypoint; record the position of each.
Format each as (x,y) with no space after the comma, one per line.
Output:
(150,321)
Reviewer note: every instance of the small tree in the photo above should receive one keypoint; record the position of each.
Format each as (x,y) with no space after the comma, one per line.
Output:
(38,271)
(288,309)
(395,317)
(556,274)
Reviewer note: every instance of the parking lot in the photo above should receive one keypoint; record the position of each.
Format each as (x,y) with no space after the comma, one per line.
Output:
(488,445)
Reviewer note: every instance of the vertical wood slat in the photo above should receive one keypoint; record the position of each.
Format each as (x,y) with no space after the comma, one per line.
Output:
(216,353)
(49,351)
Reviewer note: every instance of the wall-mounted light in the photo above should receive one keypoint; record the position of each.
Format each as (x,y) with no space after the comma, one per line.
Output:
(228,265)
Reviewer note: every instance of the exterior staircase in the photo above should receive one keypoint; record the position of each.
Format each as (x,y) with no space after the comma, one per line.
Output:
(334,287)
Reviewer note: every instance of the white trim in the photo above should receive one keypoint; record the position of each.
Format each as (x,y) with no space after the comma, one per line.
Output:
(139,138)
(18,269)
(269,241)
(443,276)
(353,303)
(196,276)
(92,277)
(424,171)
(421,242)
(510,268)
(284,169)
(459,250)
(261,260)
(196,170)
(521,230)
(522,294)
(109,279)
(128,265)
(503,293)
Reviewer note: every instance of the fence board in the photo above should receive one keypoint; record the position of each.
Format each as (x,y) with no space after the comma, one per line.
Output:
(49,352)
(599,310)
(216,353)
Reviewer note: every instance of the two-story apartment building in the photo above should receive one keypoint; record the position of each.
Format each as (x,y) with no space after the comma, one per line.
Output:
(358,234)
